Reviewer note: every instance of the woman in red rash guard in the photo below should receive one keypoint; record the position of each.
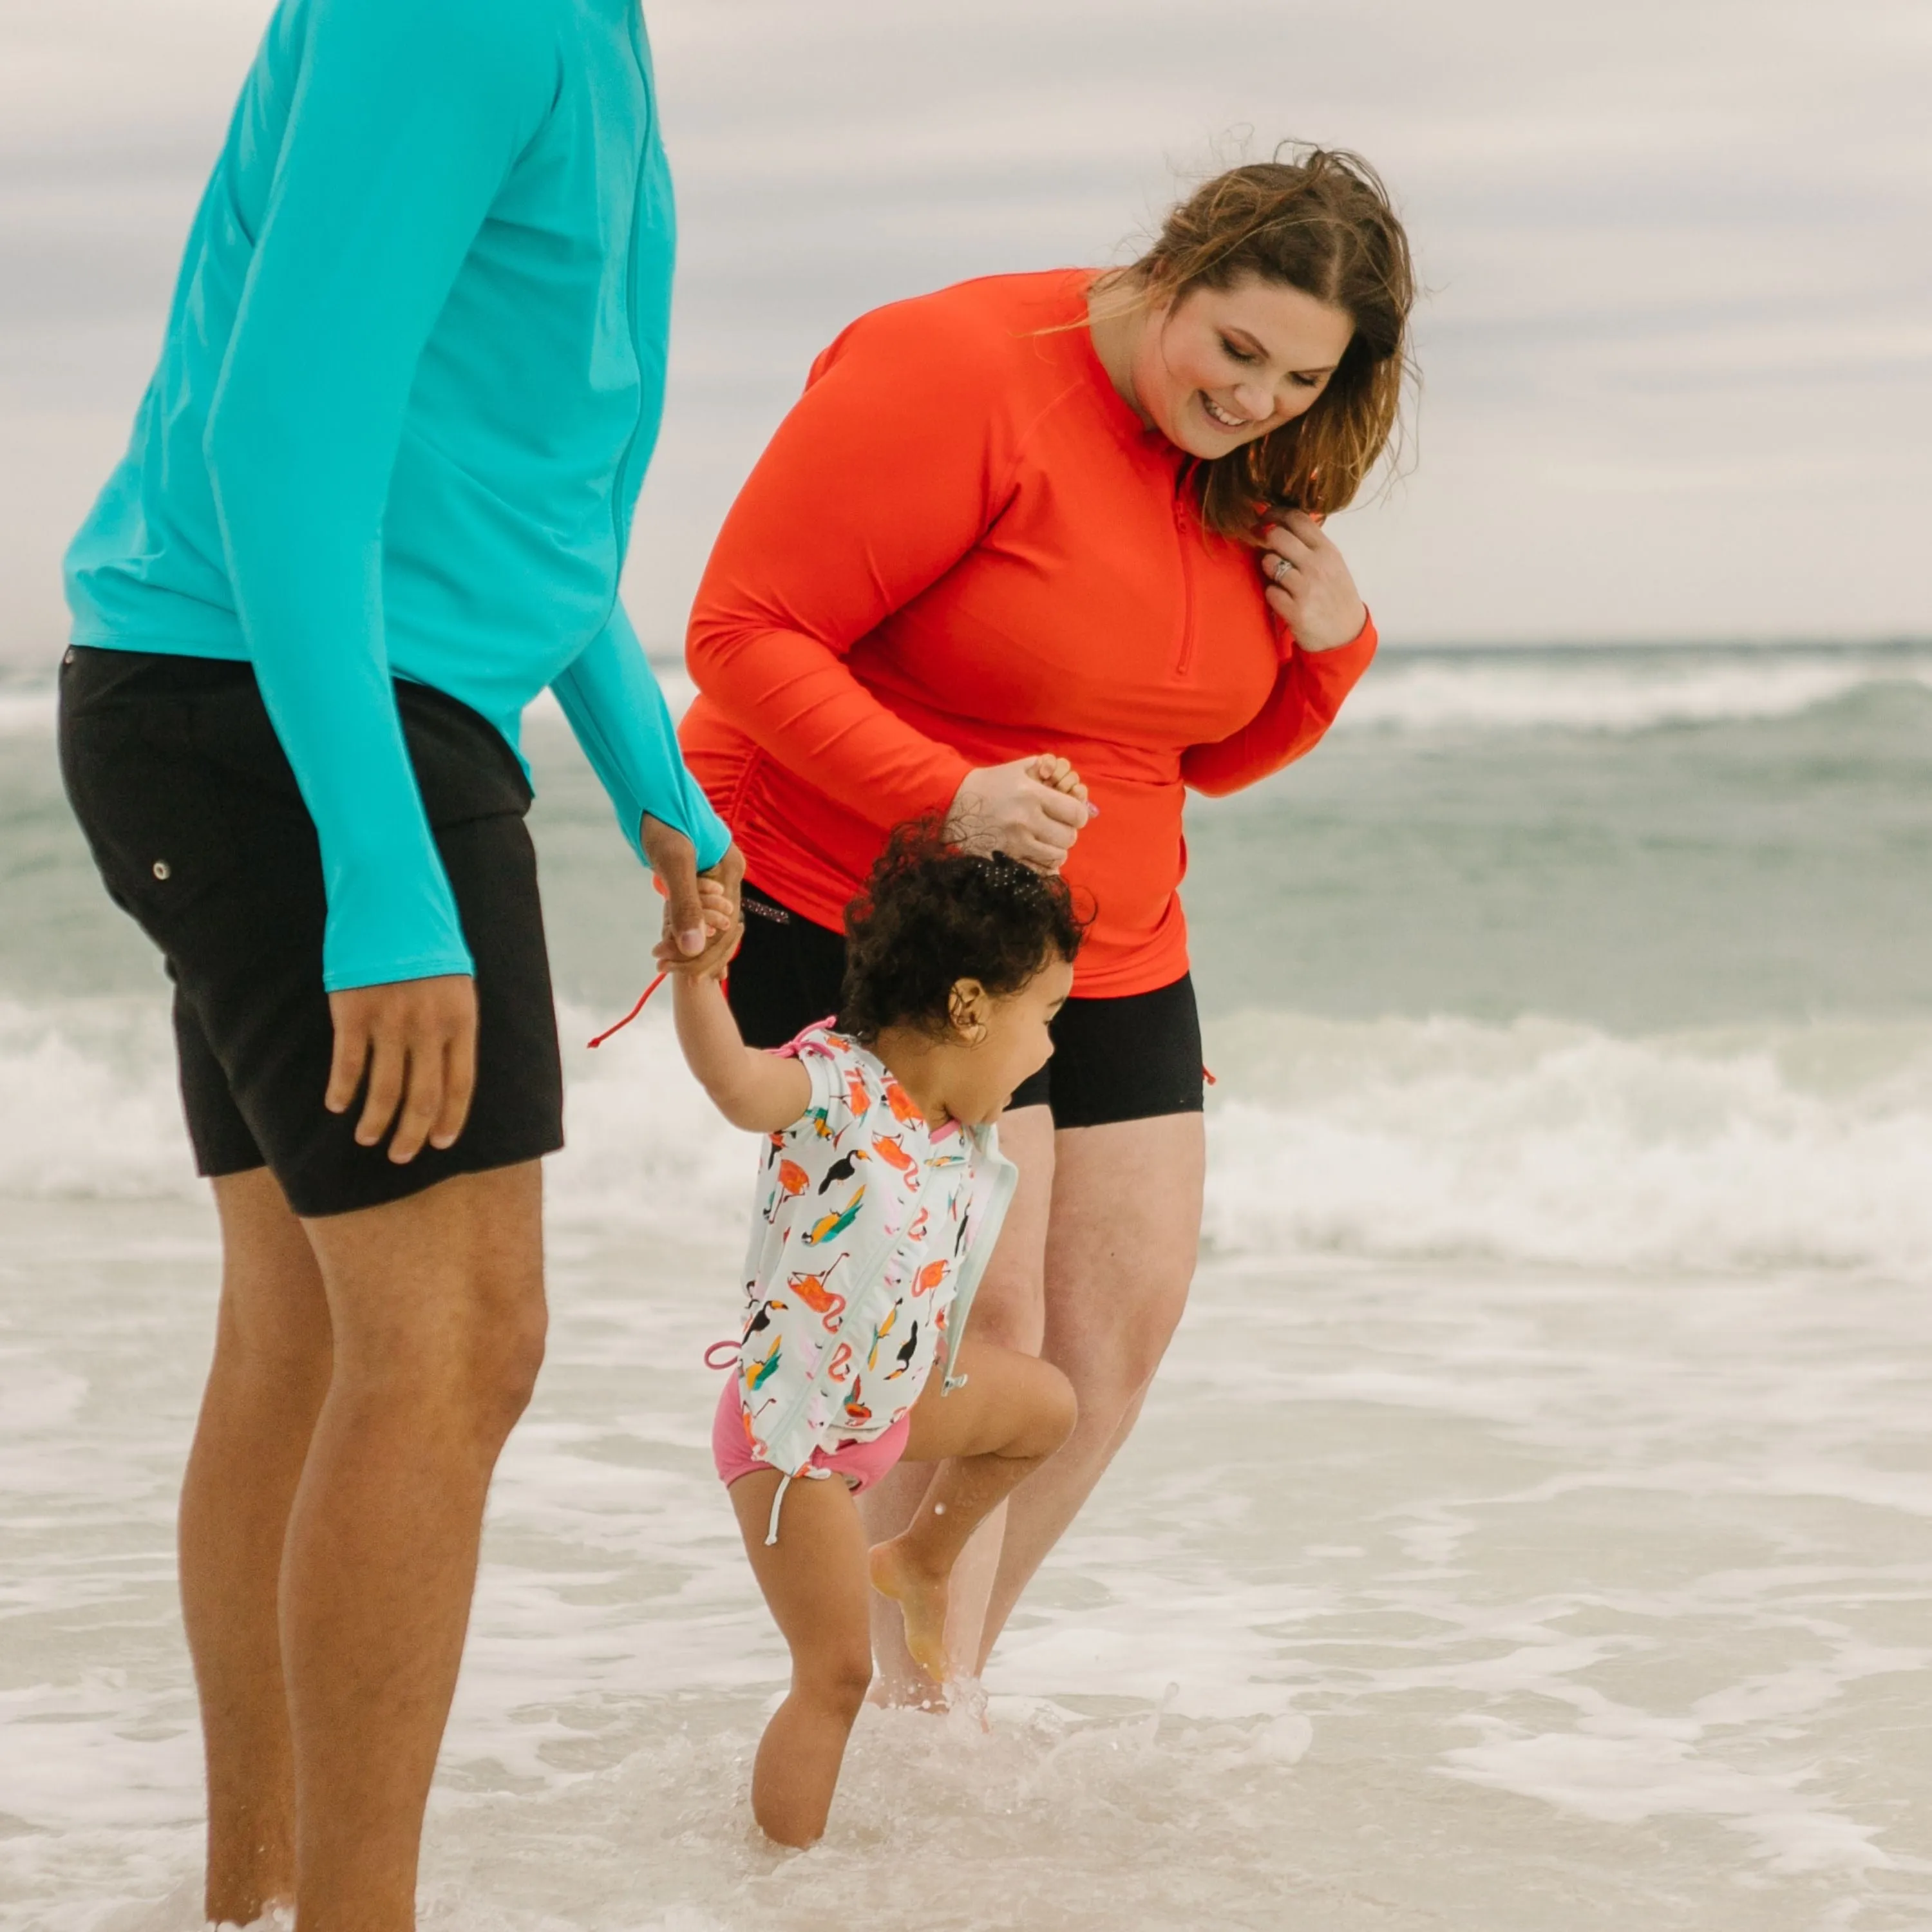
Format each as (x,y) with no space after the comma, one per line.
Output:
(1079,514)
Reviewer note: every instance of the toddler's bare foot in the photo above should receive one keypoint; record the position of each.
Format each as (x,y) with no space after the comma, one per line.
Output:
(920,1594)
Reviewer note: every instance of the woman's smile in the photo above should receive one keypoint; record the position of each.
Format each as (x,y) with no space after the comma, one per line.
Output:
(1225,418)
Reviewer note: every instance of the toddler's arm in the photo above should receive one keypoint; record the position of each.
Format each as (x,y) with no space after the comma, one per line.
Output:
(752,1090)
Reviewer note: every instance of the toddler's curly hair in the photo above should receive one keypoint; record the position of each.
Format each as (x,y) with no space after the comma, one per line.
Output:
(931,914)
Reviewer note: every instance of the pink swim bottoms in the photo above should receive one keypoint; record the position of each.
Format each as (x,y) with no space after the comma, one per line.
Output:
(862,1464)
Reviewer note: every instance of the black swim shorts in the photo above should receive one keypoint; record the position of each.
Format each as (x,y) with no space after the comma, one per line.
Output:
(193,814)
(1131,1058)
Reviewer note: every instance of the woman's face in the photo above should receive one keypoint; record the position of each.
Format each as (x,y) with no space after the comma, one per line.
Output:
(1223,366)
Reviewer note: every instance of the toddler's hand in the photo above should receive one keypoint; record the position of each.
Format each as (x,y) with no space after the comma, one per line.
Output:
(1050,769)
(714,904)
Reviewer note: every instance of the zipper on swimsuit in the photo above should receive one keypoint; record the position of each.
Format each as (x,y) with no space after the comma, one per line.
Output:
(1186,526)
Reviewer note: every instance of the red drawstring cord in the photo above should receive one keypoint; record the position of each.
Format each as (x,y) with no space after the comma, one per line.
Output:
(1204,1074)
(634,1011)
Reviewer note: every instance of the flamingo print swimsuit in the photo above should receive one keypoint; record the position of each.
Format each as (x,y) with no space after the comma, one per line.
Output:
(870,1232)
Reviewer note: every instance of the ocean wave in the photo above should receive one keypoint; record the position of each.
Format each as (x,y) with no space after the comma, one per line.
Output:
(1612,691)
(1397,1140)
(1545,1142)
(92,1109)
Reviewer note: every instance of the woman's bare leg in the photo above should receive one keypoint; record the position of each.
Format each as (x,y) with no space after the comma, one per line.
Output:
(1121,1245)
(981,1442)
(814,1579)
(1009,1310)
(264,1387)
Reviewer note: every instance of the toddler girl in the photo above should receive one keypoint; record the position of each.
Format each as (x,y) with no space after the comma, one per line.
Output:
(880,1198)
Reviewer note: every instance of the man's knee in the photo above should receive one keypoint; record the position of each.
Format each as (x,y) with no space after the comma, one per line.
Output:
(498,1330)
(474,1371)
(506,1372)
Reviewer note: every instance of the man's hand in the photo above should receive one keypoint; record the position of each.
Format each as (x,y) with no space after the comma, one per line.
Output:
(416,1040)
(692,942)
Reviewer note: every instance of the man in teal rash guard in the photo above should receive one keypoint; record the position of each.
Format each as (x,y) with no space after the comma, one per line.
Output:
(377,499)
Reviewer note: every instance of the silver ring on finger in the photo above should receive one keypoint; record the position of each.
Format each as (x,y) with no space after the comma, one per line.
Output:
(1281,567)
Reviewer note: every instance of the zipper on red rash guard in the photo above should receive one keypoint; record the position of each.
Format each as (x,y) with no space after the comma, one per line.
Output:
(1186,529)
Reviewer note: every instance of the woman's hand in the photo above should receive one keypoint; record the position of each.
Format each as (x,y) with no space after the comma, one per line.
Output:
(1025,809)
(1308,587)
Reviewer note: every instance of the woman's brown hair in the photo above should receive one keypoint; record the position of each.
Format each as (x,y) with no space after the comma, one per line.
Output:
(1321,223)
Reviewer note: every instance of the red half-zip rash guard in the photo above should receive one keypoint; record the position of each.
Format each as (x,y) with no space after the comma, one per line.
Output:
(962,547)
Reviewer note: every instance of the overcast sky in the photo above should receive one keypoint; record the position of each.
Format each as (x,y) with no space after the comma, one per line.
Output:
(1677,348)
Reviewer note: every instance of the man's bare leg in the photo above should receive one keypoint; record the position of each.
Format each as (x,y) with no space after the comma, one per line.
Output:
(266,1384)
(437,1307)
(1008,1311)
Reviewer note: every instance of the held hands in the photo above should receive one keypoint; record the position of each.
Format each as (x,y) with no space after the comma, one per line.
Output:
(1308,587)
(416,1040)
(718,907)
(1032,810)
(1050,768)
(701,932)
(724,932)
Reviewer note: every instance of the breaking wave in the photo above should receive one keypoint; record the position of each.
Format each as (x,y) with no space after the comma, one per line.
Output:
(1538,1141)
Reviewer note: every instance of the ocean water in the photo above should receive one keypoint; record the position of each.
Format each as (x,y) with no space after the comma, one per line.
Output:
(1532,1528)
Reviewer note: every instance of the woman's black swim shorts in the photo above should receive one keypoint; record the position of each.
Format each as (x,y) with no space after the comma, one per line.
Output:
(193,816)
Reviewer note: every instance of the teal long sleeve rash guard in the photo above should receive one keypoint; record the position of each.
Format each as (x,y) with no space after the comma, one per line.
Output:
(412,377)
